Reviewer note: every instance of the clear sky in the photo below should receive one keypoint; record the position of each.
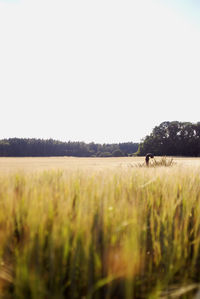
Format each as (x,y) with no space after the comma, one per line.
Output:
(102,71)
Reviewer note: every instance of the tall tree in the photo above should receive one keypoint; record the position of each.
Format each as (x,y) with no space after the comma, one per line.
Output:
(173,138)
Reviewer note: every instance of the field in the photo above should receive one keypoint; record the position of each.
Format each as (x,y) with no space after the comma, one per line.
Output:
(10,165)
(99,228)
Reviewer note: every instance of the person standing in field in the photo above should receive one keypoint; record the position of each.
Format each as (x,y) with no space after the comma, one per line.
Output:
(148,156)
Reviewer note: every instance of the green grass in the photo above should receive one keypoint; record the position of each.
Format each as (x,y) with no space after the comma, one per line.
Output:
(129,233)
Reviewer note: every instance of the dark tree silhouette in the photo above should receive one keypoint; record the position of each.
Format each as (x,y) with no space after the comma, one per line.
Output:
(21,147)
(172,139)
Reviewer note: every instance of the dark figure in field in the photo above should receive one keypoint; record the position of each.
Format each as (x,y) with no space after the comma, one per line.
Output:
(148,156)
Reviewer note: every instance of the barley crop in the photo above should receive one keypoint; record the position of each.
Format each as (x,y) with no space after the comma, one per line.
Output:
(125,233)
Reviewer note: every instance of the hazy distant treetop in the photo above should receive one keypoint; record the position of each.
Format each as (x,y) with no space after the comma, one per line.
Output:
(19,147)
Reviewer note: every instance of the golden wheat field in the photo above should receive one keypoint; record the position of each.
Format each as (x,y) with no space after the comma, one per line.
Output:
(10,165)
(99,228)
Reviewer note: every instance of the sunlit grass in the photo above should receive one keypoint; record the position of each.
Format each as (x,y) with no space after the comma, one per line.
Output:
(124,233)
(158,162)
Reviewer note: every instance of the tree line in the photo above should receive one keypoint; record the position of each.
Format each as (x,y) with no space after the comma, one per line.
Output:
(169,138)
(26,147)
(173,139)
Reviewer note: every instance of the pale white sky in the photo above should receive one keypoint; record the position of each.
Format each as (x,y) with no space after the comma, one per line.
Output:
(102,71)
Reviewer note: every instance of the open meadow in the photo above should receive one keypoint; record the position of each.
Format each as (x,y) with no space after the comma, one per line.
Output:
(99,228)
(38,164)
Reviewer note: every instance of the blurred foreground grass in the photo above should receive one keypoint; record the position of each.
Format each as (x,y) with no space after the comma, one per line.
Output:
(126,233)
